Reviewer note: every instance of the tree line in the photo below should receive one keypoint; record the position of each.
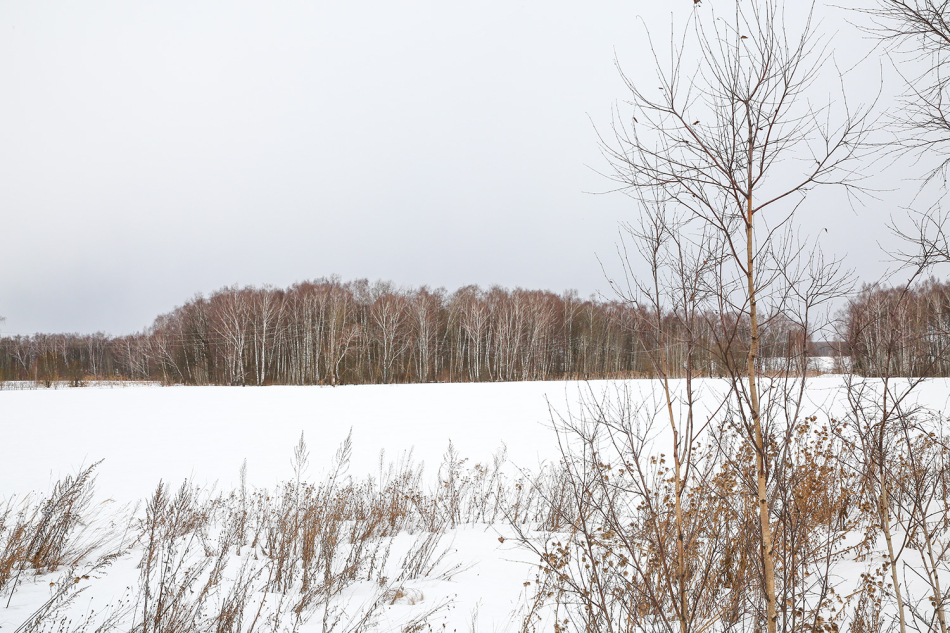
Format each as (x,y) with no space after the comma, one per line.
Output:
(899,331)
(328,331)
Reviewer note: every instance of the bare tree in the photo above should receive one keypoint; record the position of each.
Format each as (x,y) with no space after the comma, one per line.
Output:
(734,141)
(916,33)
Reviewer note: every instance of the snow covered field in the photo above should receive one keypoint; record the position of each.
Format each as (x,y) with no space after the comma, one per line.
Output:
(149,433)
(478,578)
(145,434)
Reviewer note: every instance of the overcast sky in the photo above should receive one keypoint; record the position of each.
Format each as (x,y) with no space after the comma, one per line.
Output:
(153,150)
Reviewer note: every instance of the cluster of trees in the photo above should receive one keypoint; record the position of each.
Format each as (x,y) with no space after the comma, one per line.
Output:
(903,331)
(719,159)
(333,332)
(48,358)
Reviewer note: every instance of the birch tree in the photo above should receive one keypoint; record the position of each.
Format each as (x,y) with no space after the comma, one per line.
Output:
(727,133)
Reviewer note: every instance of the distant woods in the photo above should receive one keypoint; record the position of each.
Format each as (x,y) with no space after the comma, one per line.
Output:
(332,332)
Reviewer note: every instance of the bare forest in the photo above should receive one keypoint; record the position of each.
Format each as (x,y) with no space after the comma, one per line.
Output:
(331,332)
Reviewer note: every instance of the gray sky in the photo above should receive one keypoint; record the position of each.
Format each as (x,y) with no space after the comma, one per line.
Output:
(149,151)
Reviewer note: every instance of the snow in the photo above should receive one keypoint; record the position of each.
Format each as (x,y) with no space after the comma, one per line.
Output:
(149,433)
(146,434)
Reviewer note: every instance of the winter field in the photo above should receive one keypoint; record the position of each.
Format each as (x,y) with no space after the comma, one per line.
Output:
(354,508)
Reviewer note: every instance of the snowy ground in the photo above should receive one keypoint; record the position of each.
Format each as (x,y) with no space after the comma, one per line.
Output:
(146,434)
(149,433)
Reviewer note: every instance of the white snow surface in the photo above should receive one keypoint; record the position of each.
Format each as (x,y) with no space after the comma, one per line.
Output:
(145,434)
(148,433)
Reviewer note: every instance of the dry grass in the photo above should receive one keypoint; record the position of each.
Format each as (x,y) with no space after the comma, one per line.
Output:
(266,560)
(43,534)
(602,524)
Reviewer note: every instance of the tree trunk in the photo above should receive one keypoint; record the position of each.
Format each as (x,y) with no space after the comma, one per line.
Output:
(765,535)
